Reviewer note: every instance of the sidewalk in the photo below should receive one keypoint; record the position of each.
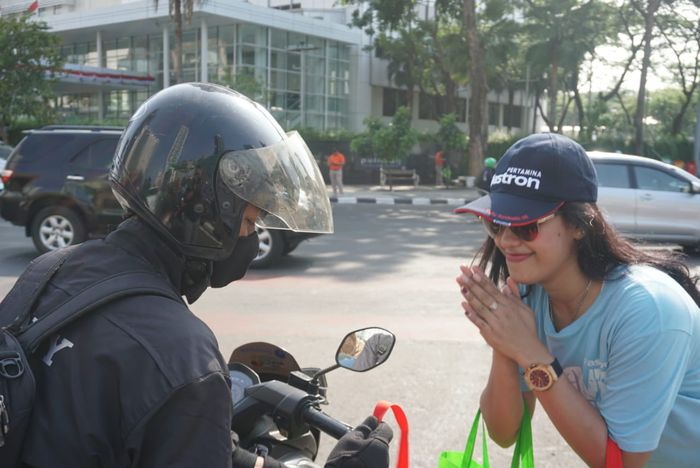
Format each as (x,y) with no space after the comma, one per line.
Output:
(404,195)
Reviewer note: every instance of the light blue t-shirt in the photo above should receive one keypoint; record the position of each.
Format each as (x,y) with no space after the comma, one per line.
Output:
(635,355)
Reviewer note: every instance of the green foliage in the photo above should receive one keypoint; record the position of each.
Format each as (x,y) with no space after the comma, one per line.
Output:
(314,134)
(449,137)
(386,142)
(663,106)
(387,14)
(499,142)
(673,147)
(29,55)
(244,82)
(558,37)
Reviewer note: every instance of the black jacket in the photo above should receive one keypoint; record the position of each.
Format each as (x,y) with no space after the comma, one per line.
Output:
(138,383)
(484,180)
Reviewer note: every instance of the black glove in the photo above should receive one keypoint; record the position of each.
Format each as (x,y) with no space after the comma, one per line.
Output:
(366,446)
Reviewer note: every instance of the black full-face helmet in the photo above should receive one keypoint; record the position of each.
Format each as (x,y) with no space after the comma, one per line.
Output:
(194,155)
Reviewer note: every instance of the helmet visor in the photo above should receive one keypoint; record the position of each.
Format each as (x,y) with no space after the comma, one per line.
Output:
(284,181)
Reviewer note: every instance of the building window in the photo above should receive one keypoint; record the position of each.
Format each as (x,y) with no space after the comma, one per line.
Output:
(432,107)
(512,116)
(305,80)
(392,99)
(493,113)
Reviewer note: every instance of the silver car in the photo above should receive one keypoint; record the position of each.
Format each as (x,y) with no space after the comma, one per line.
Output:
(649,200)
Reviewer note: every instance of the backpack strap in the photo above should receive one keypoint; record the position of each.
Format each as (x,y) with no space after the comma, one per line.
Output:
(18,303)
(124,284)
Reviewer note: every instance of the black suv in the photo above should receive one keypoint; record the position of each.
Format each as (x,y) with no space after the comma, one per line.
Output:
(56,186)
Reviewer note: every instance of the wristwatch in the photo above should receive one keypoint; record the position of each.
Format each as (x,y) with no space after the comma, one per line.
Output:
(539,377)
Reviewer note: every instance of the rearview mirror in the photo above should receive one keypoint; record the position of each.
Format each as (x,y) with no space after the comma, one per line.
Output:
(365,349)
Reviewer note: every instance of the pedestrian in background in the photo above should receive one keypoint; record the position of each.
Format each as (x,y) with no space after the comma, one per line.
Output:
(605,336)
(439,164)
(335,162)
(691,167)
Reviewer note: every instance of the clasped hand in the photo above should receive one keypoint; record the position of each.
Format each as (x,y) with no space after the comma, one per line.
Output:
(506,323)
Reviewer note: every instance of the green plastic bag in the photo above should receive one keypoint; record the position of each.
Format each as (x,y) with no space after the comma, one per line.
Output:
(523,455)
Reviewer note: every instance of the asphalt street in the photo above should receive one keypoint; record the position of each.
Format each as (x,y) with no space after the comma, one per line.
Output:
(389,266)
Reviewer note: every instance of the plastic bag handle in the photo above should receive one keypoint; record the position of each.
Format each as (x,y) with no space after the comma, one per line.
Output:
(380,410)
(613,455)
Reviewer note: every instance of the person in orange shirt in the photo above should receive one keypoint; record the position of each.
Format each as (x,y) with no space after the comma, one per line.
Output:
(335,162)
(439,164)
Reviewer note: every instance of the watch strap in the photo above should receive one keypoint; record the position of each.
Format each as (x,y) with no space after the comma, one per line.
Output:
(557,367)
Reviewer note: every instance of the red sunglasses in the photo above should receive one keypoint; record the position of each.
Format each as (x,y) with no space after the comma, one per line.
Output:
(526,232)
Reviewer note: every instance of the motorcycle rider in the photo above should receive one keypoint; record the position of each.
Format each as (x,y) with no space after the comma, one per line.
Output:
(483,182)
(140,381)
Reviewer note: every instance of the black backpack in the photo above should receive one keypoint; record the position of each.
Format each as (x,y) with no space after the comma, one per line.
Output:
(21,333)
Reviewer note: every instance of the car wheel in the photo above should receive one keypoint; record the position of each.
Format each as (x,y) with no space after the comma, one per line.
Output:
(271,247)
(54,227)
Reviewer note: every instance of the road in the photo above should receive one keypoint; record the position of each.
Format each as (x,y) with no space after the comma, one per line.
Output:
(392,267)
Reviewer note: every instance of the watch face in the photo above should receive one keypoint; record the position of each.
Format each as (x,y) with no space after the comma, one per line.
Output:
(539,378)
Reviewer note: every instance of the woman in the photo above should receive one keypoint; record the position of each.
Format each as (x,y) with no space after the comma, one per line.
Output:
(606,337)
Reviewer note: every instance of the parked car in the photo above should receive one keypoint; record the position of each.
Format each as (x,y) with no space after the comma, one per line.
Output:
(649,200)
(56,186)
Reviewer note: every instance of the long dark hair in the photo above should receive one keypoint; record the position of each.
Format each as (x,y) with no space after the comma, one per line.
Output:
(599,251)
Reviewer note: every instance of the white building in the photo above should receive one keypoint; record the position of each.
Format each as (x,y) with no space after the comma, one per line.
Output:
(311,68)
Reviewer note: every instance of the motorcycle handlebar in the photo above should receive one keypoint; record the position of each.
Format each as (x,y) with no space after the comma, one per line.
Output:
(327,424)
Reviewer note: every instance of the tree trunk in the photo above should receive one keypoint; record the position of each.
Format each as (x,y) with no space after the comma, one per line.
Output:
(553,85)
(649,21)
(677,124)
(478,123)
(450,102)
(511,99)
(584,130)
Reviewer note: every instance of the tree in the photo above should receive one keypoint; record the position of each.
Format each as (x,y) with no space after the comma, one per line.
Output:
(391,142)
(449,137)
(427,52)
(179,9)
(245,83)
(648,11)
(665,107)
(29,55)
(679,25)
(559,35)
(621,30)
(478,95)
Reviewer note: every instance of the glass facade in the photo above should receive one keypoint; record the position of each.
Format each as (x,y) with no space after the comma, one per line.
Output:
(303,80)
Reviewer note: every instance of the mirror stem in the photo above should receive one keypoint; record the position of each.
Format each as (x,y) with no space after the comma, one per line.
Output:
(324,371)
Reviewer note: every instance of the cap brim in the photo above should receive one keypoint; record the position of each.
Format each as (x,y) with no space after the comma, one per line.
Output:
(508,209)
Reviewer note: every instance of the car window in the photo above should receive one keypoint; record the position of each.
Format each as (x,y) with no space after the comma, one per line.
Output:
(5,151)
(613,175)
(43,149)
(97,155)
(652,179)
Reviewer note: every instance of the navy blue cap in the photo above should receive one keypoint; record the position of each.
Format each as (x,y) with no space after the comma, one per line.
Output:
(535,177)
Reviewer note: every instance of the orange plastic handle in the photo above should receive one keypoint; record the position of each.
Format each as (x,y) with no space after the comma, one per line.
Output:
(379,411)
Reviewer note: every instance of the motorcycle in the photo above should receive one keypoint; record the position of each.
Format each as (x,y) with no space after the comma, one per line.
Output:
(276,403)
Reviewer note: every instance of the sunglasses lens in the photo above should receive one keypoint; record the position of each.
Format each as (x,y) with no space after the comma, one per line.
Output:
(527,232)
(491,228)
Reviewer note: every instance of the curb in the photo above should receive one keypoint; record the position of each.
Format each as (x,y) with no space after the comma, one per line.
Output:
(400,201)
